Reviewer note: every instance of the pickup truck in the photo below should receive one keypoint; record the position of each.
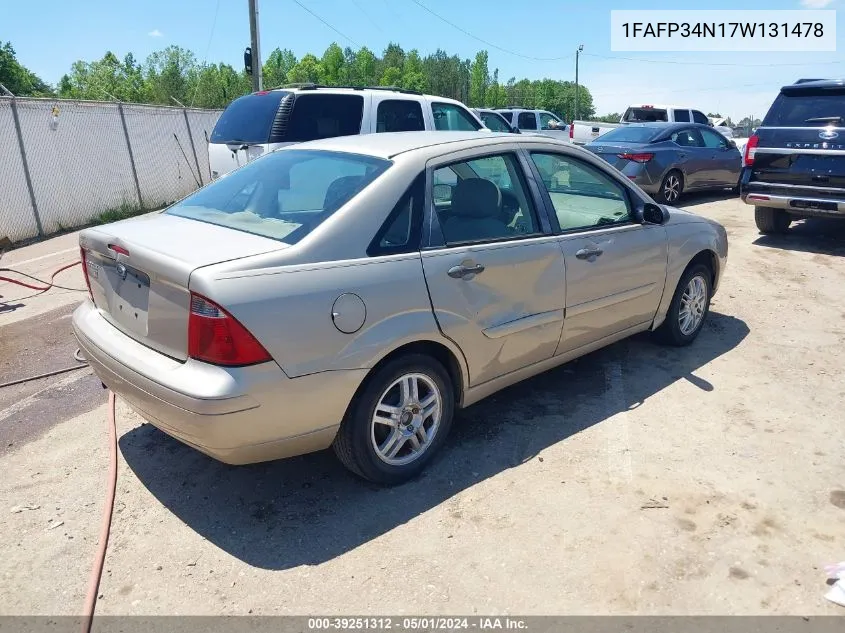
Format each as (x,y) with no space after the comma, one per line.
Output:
(583,132)
(794,163)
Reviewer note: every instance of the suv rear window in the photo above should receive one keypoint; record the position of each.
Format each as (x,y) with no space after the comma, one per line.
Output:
(248,119)
(644,115)
(807,108)
(324,116)
(283,195)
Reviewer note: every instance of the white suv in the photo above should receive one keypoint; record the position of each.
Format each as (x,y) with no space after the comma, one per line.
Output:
(263,121)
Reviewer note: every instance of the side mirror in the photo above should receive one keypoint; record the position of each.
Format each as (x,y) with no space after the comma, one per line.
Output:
(515,130)
(652,213)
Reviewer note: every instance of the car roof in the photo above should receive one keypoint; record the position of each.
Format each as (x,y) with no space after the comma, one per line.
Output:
(812,84)
(663,125)
(390,144)
(397,92)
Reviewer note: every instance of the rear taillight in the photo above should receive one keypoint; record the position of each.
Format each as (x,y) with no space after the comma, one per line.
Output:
(215,336)
(571,128)
(83,257)
(751,149)
(642,157)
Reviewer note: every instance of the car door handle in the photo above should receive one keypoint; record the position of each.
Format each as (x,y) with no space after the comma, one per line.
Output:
(587,253)
(461,271)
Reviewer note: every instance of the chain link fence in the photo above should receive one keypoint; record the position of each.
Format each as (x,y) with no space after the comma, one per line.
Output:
(64,163)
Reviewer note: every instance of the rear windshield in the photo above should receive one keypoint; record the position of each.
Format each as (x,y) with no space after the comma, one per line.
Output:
(813,108)
(629,134)
(248,119)
(283,195)
(644,115)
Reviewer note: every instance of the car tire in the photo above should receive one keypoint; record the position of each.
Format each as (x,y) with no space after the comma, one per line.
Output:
(671,188)
(688,302)
(771,221)
(363,444)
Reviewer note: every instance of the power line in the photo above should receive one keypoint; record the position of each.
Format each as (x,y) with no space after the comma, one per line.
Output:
(685,63)
(485,42)
(207,49)
(343,35)
(367,15)
(692,88)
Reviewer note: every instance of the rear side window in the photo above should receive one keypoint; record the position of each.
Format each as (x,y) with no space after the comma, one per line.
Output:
(448,116)
(682,116)
(508,115)
(248,119)
(283,195)
(401,231)
(810,108)
(700,117)
(399,115)
(317,116)
(644,115)
(527,121)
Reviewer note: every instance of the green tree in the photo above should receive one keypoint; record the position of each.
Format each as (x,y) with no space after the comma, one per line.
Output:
(613,117)
(365,67)
(307,70)
(333,65)
(413,73)
(275,70)
(169,74)
(105,79)
(219,84)
(17,78)
(479,80)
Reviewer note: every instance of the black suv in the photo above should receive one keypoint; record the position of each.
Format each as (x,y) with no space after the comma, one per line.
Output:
(795,162)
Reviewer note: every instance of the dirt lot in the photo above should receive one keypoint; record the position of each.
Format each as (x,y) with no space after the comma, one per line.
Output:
(639,479)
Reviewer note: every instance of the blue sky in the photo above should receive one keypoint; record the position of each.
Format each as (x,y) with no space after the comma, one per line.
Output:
(49,35)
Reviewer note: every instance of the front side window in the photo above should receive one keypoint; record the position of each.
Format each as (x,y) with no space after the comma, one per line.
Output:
(448,116)
(399,115)
(527,121)
(700,117)
(582,196)
(283,195)
(488,201)
(713,140)
(549,121)
(494,122)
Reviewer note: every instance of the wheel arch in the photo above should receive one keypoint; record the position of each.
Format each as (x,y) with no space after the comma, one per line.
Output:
(701,254)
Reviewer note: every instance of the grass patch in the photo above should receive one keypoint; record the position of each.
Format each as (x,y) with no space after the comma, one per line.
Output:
(122,212)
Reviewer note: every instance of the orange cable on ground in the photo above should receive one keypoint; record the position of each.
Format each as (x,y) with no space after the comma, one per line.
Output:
(97,569)
(49,285)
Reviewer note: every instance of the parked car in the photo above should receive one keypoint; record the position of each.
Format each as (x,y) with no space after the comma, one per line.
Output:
(535,121)
(583,132)
(354,292)
(667,160)
(494,121)
(260,122)
(795,161)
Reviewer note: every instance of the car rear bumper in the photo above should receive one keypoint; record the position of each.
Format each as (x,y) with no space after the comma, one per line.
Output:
(238,415)
(797,204)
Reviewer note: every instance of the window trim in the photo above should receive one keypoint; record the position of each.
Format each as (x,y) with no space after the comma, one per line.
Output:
(627,192)
(435,239)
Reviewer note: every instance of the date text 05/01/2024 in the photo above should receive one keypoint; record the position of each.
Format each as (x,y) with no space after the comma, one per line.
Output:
(425,623)
(723,29)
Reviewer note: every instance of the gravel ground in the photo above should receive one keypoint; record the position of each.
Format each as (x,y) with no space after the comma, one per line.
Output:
(638,479)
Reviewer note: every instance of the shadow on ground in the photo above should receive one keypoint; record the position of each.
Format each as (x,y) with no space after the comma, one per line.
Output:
(695,198)
(814,235)
(307,510)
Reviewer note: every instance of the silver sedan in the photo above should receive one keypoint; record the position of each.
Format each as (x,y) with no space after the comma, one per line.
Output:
(355,292)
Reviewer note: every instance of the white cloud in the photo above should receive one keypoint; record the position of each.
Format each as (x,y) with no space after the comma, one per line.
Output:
(157,33)
(816,4)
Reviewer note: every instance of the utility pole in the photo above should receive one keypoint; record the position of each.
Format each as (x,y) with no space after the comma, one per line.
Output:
(577,54)
(257,83)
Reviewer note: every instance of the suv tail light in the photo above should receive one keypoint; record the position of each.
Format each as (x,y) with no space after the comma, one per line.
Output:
(751,149)
(83,258)
(641,157)
(216,337)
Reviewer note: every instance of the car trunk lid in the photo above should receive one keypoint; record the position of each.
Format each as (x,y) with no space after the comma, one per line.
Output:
(139,272)
(613,152)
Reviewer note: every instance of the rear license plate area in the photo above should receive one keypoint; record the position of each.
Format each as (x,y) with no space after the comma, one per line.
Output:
(816,205)
(123,293)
